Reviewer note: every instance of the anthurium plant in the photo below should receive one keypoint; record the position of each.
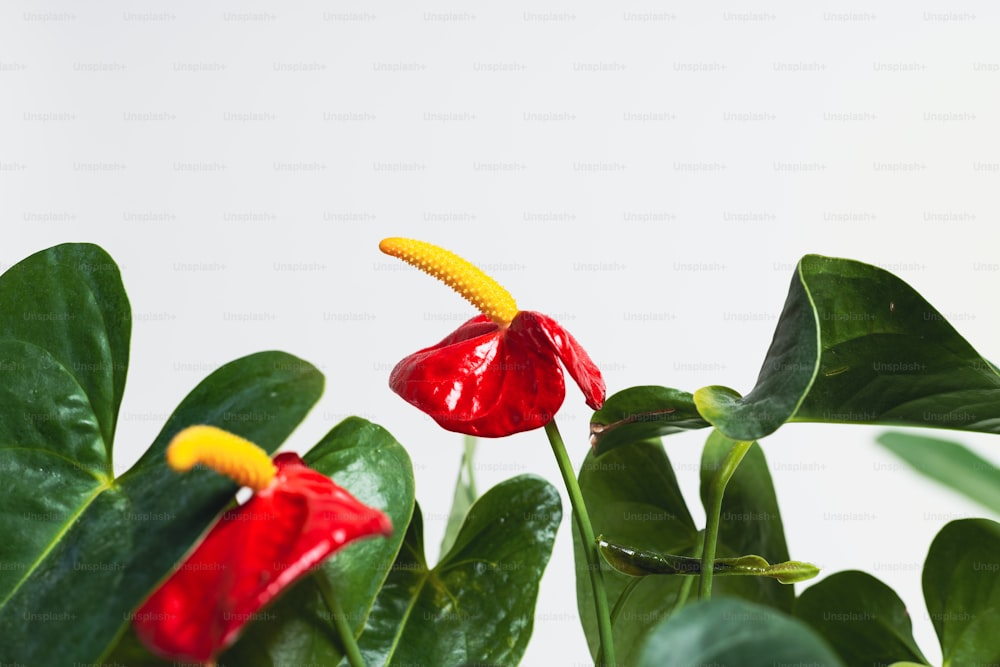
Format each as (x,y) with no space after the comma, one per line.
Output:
(320,560)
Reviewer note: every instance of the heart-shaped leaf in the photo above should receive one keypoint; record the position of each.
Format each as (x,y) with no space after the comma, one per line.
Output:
(728,631)
(83,535)
(962,589)
(633,498)
(476,606)
(298,629)
(855,344)
(862,619)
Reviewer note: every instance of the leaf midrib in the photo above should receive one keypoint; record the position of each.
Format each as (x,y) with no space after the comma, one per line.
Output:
(56,539)
(52,452)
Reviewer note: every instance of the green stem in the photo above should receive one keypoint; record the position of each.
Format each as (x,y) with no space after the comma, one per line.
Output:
(716,491)
(347,640)
(589,543)
(623,598)
(467,457)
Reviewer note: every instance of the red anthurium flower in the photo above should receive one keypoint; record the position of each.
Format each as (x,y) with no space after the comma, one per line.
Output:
(497,374)
(295,519)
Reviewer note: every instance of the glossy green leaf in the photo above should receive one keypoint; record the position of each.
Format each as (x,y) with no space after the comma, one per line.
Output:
(750,521)
(297,629)
(728,631)
(633,498)
(477,604)
(862,619)
(855,344)
(465,494)
(68,301)
(642,413)
(962,589)
(83,536)
(64,333)
(949,463)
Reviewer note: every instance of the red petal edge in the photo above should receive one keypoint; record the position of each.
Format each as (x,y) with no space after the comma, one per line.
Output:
(251,555)
(578,363)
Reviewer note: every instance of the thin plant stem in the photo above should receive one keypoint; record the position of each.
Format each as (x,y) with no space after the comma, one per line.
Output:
(715,494)
(347,640)
(467,459)
(582,518)
(623,598)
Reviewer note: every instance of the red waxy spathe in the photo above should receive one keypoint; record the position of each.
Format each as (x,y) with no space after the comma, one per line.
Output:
(249,556)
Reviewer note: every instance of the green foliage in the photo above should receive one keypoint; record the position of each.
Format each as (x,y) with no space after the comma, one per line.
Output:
(90,546)
(861,618)
(853,344)
(477,605)
(727,631)
(642,413)
(962,589)
(950,464)
(750,521)
(633,499)
(367,461)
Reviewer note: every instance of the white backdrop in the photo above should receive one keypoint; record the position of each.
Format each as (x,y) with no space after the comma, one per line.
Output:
(648,173)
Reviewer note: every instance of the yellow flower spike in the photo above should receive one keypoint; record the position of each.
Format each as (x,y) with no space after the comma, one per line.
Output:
(482,291)
(227,454)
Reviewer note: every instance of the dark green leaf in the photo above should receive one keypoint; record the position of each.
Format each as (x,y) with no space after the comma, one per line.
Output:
(949,463)
(642,413)
(128,533)
(750,521)
(962,589)
(68,300)
(862,618)
(855,344)
(81,535)
(632,498)
(297,630)
(477,604)
(733,633)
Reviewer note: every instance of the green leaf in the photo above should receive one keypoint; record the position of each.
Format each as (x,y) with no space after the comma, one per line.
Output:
(68,301)
(297,629)
(633,498)
(465,495)
(477,604)
(855,344)
(83,536)
(862,618)
(962,590)
(728,631)
(949,463)
(750,521)
(642,413)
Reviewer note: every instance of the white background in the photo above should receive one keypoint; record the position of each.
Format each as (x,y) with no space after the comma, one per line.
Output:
(648,173)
